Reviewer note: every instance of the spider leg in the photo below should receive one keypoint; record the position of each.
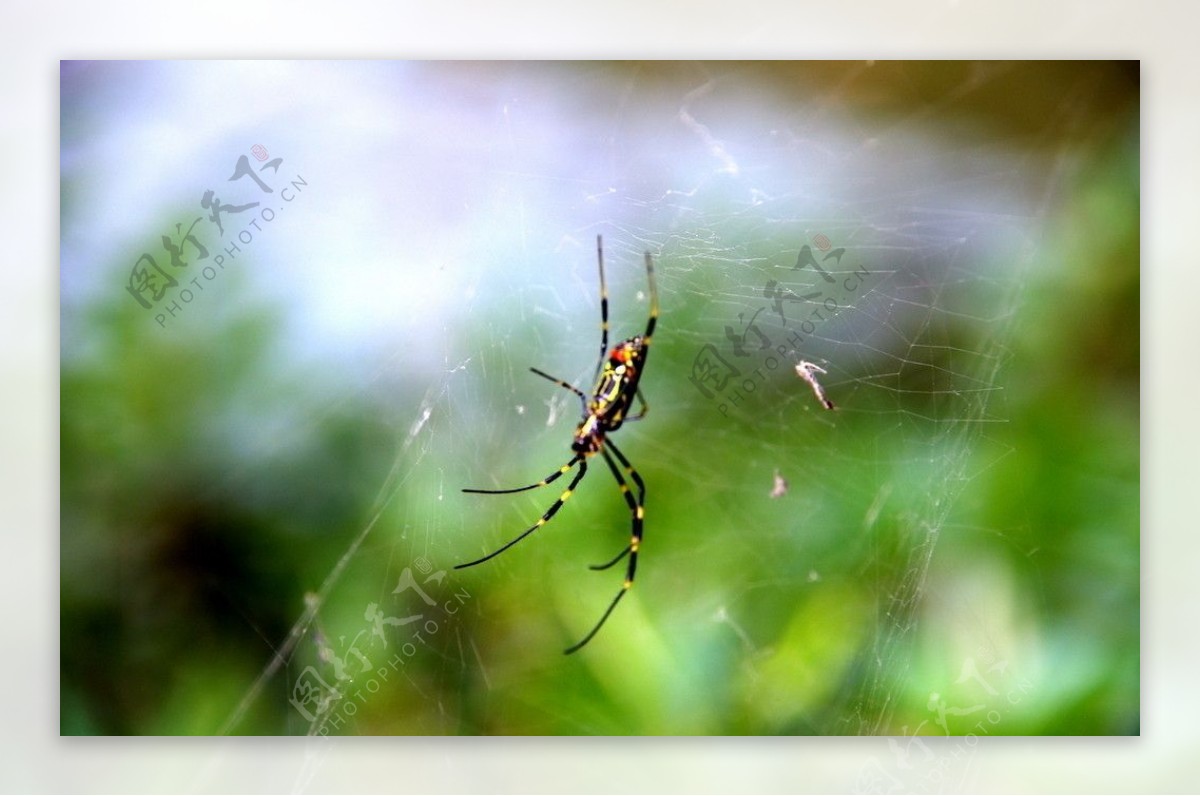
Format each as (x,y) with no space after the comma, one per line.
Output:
(633,504)
(645,407)
(582,398)
(638,511)
(653,300)
(599,624)
(548,479)
(550,512)
(637,507)
(600,567)
(603,308)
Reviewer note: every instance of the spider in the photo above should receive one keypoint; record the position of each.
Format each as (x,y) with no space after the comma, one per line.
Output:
(617,375)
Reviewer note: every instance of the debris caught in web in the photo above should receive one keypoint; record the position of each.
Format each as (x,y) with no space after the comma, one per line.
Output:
(805,370)
(780,486)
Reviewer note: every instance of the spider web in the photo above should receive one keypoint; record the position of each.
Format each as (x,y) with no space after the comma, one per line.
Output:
(855,216)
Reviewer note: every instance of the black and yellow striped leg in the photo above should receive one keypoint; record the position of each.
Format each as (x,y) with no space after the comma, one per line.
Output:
(582,398)
(603,308)
(547,480)
(646,335)
(549,515)
(633,505)
(637,509)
